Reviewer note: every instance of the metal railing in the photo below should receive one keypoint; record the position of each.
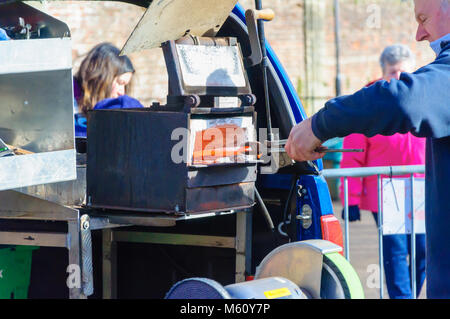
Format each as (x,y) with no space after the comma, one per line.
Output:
(378,171)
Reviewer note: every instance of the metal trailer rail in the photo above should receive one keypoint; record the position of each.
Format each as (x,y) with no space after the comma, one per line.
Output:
(378,171)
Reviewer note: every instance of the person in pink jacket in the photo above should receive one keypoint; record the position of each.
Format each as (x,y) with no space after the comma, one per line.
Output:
(398,149)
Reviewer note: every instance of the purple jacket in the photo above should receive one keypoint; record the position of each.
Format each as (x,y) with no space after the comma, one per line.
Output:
(122,102)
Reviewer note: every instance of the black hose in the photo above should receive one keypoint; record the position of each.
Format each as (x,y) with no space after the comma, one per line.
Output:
(288,201)
(265,211)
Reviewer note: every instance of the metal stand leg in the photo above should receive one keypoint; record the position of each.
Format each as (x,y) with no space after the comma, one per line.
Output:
(109,251)
(243,244)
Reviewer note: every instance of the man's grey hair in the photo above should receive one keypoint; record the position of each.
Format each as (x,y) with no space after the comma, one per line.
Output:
(396,53)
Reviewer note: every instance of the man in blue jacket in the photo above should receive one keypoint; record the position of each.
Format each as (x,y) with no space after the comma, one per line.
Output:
(417,103)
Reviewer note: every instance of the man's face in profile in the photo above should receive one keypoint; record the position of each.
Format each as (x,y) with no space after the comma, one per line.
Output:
(433,17)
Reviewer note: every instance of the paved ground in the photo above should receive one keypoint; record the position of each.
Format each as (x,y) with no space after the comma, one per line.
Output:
(364,252)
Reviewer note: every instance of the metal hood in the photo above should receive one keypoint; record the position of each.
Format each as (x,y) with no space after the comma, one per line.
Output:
(167,20)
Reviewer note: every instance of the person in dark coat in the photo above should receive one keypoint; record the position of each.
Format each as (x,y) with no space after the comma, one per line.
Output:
(416,103)
(103,74)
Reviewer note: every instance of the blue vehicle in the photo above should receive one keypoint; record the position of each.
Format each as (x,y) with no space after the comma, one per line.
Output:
(289,110)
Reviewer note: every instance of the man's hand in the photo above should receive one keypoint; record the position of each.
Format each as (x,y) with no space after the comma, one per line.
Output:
(302,143)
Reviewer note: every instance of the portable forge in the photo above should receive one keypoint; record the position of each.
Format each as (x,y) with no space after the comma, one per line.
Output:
(189,156)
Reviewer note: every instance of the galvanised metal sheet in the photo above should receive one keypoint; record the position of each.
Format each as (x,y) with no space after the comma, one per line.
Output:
(36,112)
(19,56)
(219,66)
(168,20)
(34,169)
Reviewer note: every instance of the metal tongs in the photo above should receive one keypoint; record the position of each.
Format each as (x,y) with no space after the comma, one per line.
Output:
(277,147)
(321,149)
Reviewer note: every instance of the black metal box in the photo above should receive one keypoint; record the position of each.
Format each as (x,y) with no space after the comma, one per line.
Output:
(130,166)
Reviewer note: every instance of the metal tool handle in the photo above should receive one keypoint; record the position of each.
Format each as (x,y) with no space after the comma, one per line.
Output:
(320,149)
(278,143)
(338,150)
(264,14)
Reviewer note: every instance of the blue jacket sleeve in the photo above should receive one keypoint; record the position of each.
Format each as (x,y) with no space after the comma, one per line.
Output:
(417,103)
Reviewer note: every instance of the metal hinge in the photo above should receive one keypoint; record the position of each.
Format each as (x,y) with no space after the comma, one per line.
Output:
(306,216)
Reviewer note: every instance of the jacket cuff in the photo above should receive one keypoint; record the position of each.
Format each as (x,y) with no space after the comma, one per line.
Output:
(318,127)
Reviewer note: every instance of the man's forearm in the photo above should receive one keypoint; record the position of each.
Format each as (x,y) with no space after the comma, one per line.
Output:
(370,111)
(417,103)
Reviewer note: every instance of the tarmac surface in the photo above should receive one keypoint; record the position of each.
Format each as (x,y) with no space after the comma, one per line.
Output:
(363,253)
